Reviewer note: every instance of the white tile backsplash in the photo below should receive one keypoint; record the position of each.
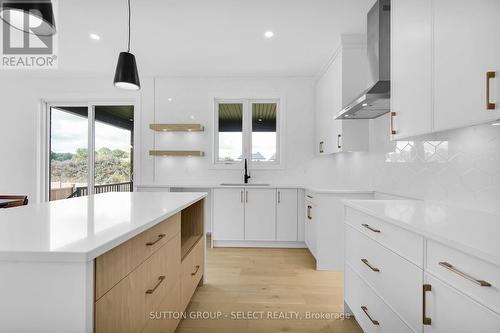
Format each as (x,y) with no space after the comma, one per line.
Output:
(459,167)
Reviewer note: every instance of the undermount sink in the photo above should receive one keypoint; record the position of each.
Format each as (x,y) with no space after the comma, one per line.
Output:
(243,184)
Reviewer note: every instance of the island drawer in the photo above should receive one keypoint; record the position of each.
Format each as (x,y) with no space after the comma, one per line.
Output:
(163,319)
(405,243)
(383,270)
(192,272)
(114,265)
(477,278)
(127,306)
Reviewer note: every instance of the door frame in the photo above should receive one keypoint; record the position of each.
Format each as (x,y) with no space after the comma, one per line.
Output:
(43,139)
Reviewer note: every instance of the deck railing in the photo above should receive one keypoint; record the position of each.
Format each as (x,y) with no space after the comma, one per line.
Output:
(81,191)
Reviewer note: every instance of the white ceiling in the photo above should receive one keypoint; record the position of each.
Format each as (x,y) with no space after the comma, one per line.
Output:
(204,37)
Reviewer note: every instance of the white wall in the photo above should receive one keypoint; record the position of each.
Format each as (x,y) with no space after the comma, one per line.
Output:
(20,101)
(195,96)
(461,166)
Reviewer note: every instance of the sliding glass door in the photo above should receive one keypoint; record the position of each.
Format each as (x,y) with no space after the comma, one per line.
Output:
(81,136)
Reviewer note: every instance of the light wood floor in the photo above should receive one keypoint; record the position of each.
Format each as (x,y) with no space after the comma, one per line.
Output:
(267,280)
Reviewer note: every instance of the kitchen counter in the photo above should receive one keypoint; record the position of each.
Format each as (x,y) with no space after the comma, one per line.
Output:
(467,230)
(310,188)
(81,229)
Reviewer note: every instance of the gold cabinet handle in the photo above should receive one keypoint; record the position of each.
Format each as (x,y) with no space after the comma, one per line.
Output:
(367,226)
(160,280)
(241,196)
(425,288)
(450,267)
(309,216)
(196,270)
(321,143)
(246,196)
(365,310)
(156,241)
(338,141)
(393,114)
(489,77)
(375,269)
(279,196)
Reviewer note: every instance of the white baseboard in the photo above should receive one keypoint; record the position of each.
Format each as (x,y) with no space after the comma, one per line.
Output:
(270,244)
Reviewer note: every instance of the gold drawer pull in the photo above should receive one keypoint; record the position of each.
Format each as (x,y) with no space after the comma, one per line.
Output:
(450,267)
(160,280)
(156,241)
(370,228)
(425,320)
(393,131)
(309,208)
(196,271)
(489,104)
(375,269)
(365,310)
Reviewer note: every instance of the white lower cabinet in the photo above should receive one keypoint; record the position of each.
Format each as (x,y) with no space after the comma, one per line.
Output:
(286,215)
(260,214)
(229,213)
(451,311)
(454,292)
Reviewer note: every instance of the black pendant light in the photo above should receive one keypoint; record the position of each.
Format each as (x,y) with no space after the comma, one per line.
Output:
(40,13)
(126,75)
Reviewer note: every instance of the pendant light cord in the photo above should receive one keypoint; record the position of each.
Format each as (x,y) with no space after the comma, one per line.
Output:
(128,47)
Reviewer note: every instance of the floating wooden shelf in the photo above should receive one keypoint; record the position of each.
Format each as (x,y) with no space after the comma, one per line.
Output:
(177,127)
(189,153)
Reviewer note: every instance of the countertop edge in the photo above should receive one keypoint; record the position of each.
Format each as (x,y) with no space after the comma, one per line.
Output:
(85,257)
(434,237)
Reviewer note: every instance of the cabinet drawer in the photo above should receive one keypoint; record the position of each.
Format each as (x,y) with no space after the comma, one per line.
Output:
(465,273)
(358,294)
(452,312)
(193,266)
(126,307)
(117,263)
(407,244)
(395,279)
(160,322)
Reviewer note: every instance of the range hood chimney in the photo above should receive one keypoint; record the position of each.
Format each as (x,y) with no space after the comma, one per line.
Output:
(375,101)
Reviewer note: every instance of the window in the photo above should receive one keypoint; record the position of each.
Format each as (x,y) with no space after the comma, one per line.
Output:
(247,129)
(106,131)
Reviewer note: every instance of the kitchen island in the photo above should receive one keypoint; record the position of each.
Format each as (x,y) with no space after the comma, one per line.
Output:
(102,263)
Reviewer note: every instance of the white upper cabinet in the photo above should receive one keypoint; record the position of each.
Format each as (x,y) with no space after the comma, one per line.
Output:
(344,79)
(411,63)
(442,52)
(466,48)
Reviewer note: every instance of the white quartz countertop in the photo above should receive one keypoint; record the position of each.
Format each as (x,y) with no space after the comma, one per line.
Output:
(81,229)
(310,188)
(471,231)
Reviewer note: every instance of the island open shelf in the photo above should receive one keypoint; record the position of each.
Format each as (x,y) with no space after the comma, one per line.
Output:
(192,226)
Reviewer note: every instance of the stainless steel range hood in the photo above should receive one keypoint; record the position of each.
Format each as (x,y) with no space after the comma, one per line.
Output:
(375,101)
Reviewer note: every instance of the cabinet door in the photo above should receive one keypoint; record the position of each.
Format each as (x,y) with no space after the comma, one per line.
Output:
(411,64)
(451,311)
(260,214)
(328,103)
(286,215)
(310,229)
(228,214)
(466,48)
